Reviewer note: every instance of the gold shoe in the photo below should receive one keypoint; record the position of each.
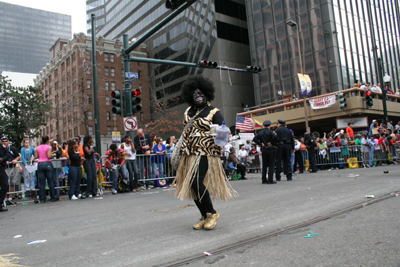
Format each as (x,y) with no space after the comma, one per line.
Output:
(211,220)
(200,224)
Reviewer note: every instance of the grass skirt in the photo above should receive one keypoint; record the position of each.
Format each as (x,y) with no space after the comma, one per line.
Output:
(215,181)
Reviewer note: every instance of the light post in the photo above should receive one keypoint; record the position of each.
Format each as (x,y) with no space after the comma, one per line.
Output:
(386,80)
(292,23)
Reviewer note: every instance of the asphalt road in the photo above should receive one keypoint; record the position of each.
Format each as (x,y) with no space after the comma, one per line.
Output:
(154,228)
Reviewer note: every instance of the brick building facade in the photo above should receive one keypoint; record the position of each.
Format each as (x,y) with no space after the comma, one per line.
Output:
(67,82)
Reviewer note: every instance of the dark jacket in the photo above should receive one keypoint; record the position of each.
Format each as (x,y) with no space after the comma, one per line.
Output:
(310,143)
(139,142)
(12,154)
(265,137)
(5,155)
(232,158)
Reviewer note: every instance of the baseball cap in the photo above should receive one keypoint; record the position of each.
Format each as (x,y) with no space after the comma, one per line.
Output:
(4,137)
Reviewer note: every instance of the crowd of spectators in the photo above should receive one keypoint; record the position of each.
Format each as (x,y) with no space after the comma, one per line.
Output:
(51,166)
(144,159)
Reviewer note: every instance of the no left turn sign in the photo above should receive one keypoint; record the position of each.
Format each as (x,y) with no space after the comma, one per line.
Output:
(130,124)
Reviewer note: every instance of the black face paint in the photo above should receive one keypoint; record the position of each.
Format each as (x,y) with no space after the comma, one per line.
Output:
(199,98)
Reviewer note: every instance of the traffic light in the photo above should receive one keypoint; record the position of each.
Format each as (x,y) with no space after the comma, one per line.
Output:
(368,99)
(253,69)
(136,100)
(172,4)
(342,101)
(207,64)
(116,102)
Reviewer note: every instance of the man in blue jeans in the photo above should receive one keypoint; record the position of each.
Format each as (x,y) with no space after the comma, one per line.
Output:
(115,158)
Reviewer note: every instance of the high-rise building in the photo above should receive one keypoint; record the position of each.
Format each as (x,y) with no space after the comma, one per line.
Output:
(213,30)
(26,35)
(340,42)
(66,81)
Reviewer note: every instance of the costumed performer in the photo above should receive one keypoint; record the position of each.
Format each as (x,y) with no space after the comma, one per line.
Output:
(200,175)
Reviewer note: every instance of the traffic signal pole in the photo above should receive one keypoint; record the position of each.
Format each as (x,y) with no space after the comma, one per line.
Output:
(153,30)
(188,64)
(127,86)
(95,89)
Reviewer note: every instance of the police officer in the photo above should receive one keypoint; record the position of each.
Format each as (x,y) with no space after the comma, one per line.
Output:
(311,145)
(4,157)
(267,140)
(285,147)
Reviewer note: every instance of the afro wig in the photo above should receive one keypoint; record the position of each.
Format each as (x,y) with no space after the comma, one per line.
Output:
(197,82)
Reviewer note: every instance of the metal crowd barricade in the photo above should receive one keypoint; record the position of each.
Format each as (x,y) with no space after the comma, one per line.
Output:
(150,168)
(348,156)
(154,168)
(19,187)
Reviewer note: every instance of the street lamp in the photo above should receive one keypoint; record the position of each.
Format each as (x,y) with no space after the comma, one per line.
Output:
(383,79)
(292,23)
(386,80)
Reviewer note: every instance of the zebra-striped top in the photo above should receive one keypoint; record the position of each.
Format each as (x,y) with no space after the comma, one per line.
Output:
(196,139)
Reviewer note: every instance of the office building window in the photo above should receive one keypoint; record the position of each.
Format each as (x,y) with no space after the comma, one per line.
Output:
(107,85)
(112,72)
(91,130)
(114,117)
(106,71)
(113,86)
(109,130)
(105,57)
(107,101)
(108,115)
(88,54)
(111,57)
(89,84)
(90,115)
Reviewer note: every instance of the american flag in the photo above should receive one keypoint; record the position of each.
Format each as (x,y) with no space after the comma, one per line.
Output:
(244,123)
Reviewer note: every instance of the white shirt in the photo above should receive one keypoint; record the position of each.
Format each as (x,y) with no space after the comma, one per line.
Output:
(364,147)
(242,153)
(128,149)
(297,145)
(227,149)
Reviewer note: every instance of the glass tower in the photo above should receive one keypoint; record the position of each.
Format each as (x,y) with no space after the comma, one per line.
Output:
(201,32)
(26,35)
(340,42)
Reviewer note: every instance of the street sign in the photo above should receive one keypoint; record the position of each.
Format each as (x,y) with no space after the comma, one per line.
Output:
(116,137)
(130,124)
(131,75)
(131,80)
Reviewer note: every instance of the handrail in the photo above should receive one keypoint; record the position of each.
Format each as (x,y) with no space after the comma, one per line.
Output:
(301,101)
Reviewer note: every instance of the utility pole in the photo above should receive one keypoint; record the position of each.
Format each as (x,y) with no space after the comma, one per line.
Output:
(95,90)
(127,86)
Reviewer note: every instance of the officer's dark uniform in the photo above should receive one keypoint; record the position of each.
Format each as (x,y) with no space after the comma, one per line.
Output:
(285,146)
(267,137)
(311,145)
(5,156)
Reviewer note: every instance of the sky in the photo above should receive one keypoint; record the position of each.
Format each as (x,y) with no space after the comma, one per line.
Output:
(75,8)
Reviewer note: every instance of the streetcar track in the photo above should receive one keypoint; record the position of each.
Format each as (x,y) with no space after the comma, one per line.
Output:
(248,241)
